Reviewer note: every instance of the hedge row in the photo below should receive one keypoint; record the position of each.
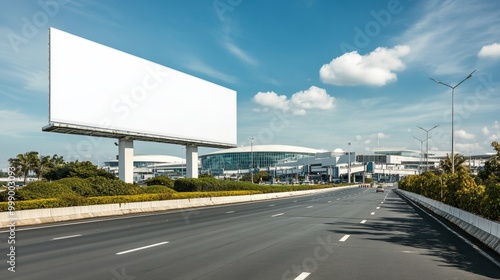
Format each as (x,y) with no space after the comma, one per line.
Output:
(67,201)
(458,190)
(211,184)
(78,187)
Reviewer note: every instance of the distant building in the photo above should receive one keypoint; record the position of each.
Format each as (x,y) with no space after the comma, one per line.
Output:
(148,166)
(293,163)
(257,157)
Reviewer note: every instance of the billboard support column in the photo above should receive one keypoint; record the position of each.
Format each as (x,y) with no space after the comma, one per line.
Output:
(126,160)
(191,161)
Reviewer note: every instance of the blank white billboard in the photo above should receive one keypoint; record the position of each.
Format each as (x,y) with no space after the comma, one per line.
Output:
(95,86)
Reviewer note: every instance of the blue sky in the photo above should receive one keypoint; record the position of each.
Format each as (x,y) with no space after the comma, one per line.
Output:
(319,74)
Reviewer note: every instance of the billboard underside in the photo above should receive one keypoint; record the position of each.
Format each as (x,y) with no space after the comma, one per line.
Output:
(116,134)
(99,91)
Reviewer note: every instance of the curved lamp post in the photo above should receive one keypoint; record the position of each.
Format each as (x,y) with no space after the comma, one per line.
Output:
(427,146)
(452,118)
(421,152)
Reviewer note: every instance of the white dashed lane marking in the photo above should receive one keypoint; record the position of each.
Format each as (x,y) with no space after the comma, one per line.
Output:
(141,248)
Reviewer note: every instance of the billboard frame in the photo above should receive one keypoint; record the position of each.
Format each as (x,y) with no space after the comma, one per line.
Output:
(127,137)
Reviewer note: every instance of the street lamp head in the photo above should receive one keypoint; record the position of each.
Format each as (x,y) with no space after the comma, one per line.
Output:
(470,75)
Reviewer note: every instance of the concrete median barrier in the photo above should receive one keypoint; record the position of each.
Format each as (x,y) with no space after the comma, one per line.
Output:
(50,215)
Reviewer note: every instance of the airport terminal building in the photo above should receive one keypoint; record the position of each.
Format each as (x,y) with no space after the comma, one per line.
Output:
(292,163)
(256,157)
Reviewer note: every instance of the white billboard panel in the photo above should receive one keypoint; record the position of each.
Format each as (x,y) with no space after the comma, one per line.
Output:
(96,87)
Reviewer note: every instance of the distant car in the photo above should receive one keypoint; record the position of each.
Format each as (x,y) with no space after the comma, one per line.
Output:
(380,189)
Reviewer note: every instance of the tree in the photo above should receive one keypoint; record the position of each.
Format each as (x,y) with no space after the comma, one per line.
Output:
(491,169)
(83,169)
(57,160)
(460,160)
(41,165)
(24,163)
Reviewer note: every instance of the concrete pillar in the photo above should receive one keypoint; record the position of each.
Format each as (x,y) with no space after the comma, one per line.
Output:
(126,160)
(191,161)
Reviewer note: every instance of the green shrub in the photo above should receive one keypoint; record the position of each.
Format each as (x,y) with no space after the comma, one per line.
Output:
(32,204)
(160,180)
(187,185)
(110,187)
(72,200)
(43,189)
(210,184)
(79,186)
(157,189)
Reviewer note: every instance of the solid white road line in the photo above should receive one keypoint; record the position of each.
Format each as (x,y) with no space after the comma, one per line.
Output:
(141,248)
(363,221)
(302,276)
(278,215)
(65,237)
(230,212)
(310,206)
(271,205)
(344,238)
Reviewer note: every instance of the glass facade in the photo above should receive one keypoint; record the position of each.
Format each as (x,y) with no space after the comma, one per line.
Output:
(242,160)
(137,164)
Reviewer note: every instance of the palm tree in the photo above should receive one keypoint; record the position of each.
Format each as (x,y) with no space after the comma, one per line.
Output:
(24,163)
(446,163)
(41,165)
(57,160)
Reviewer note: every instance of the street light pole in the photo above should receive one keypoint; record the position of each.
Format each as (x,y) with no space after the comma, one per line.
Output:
(427,146)
(349,165)
(251,159)
(421,152)
(453,118)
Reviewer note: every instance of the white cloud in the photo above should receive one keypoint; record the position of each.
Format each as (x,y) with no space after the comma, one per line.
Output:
(199,66)
(469,147)
(381,135)
(299,102)
(374,69)
(17,124)
(449,33)
(490,51)
(485,131)
(492,137)
(313,98)
(272,100)
(239,53)
(464,134)
(496,125)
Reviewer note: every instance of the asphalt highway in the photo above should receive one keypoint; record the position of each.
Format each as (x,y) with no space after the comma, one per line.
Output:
(352,233)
